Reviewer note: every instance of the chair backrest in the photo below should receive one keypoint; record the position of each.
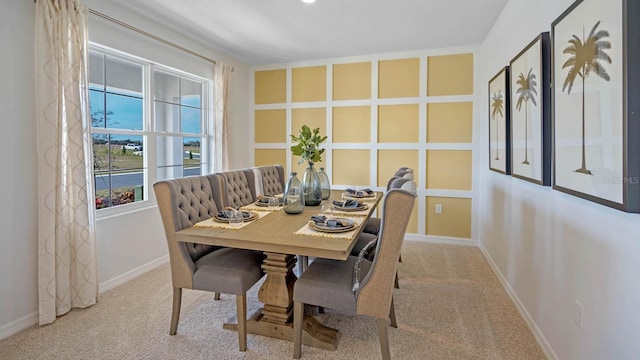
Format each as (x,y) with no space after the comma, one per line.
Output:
(239,187)
(184,202)
(271,179)
(405,174)
(374,294)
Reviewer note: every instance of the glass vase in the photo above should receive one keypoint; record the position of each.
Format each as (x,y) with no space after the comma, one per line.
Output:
(325,186)
(293,196)
(311,187)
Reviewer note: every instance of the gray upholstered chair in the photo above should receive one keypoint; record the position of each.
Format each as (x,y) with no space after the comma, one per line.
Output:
(238,187)
(182,203)
(269,179)
(356,285)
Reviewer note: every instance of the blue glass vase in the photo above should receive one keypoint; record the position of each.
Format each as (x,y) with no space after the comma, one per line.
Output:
(325,186)
(311,186)
(293,196)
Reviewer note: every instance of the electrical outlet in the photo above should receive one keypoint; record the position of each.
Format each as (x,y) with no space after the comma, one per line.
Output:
(578,314)
(438,208)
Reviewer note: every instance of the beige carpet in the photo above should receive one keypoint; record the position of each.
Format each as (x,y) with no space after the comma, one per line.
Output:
(449,306)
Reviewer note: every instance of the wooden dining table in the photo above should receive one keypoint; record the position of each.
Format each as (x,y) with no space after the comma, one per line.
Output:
(275,235)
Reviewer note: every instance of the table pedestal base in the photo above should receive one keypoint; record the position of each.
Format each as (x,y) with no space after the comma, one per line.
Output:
(313,333)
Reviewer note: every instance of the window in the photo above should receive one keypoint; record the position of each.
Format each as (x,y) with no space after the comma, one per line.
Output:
(143,116)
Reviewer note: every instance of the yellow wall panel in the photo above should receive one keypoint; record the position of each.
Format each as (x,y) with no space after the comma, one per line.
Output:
(351,167)
(399,78)
(309,84)
(449,169)
(398,123)
(455,219)
(450,75)
(352,124)
(352,81)
(271,126)
(270,86)
(390,160)
(270,157)
(450,122)
(314,118)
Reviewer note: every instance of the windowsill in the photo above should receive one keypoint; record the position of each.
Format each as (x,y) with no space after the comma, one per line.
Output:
(116,211)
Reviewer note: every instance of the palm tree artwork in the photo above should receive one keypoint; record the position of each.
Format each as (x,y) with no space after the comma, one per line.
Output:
(585,56)
(497,105)
(526,92)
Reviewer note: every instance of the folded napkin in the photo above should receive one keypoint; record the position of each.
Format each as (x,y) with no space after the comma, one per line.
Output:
(363,192)
(332,223)
(347,204)
(225,214)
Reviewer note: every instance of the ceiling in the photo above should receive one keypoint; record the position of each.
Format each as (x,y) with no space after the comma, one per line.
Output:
(276,31)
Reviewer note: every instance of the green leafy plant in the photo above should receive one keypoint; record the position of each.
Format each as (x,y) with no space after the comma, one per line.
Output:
(308,145)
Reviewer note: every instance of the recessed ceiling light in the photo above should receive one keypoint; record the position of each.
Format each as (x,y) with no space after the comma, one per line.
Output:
(309,1)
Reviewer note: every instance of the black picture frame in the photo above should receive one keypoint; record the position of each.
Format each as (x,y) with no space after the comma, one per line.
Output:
(530,112)
(499,145)
(596,118)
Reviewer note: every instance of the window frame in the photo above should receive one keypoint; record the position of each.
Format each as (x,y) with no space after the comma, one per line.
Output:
(150,135)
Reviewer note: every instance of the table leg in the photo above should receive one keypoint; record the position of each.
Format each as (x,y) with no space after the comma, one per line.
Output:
(275,318)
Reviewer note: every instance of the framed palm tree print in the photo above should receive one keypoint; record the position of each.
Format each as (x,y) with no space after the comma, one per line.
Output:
(530,74)
(596,112)
(499,151)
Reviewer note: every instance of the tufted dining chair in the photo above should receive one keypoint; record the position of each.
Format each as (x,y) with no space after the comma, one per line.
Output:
(184,202)
(358,286)
(269,179)
(238,187)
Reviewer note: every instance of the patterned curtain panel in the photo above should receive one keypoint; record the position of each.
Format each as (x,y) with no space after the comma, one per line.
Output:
(221,77)
(67,271)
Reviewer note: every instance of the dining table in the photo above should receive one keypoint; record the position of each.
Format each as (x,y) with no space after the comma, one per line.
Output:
(282,237)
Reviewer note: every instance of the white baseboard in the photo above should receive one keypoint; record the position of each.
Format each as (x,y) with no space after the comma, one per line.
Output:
(25,322)
(130,275)
(16,326)
(544,344)
(441,240)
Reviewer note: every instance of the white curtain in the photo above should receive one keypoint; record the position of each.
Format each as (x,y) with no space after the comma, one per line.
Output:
(221,78)
(67,270)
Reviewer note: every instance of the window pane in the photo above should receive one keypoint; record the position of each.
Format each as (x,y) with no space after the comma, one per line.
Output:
(96,104)
(166,87)
(190,93)
(192,156)
(118,162)
(96,70)
(190,120)
(124,112)
(167,117)
(123,77)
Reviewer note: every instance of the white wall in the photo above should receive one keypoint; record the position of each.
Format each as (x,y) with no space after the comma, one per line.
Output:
(126,244)
(18,244)
(554,249)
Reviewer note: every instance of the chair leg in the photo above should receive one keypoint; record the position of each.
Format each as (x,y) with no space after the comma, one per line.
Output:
(397,282)
(216,296)
(303,264)
(392,315)
(298,315)
(175,313)
(241,308)
(384,338)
